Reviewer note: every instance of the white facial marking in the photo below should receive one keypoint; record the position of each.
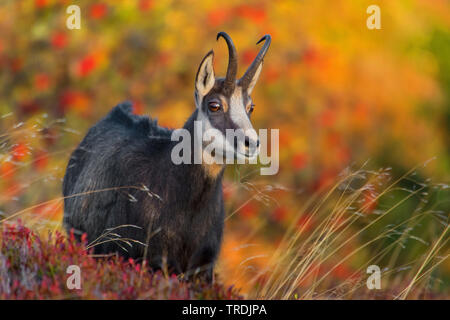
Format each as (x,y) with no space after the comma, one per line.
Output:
(239,116)
(223,143)
(219,143)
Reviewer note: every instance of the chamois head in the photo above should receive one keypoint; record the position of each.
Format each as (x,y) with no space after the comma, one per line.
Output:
(224,104)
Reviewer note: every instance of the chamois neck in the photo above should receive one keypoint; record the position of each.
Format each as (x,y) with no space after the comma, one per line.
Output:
(213,171)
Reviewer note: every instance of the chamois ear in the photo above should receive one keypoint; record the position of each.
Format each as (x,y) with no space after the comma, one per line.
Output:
(254,79)
(204,81)
(249,79)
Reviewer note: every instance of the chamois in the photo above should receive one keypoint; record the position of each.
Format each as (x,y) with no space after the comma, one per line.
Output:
(121,178)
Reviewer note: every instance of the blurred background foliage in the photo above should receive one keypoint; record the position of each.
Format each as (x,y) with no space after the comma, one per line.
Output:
(342,96)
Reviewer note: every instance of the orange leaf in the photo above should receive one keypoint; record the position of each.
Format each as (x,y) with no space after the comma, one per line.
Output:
(98,10)
(20,151)
(59,40)
(248,210)
(218,17)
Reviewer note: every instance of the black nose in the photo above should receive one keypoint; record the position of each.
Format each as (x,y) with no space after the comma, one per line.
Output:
(247,142)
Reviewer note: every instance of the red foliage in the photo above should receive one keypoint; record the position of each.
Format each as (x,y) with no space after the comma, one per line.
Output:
(279,213)
(271,74)
(311,56)
(7,169)
(98,10)
(325,180)
(41,81)
(145,5)
(248,210)
(40,160)
(86,65)
(40,3)
(75,100)
(218,17)
(49,209)
(344,154)
(29,107)
(299,161)
(343,272)
(248,56)
(138,107)
(370,200)
(59,40)
(16,64)
(12,190)
(34,268)
(253,13)
(327,118)
(305,222)
(20,151)
(164,58)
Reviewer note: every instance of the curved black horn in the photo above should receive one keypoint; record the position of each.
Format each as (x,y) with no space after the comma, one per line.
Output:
(250,73)
(232,61)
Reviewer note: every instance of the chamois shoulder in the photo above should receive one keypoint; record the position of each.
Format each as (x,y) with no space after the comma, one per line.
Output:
(122,115)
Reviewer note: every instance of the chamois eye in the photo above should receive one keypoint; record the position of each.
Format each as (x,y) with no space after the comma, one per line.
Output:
(251,108)
(214,106)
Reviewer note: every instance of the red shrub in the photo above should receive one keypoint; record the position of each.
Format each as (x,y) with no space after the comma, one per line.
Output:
(35,268)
